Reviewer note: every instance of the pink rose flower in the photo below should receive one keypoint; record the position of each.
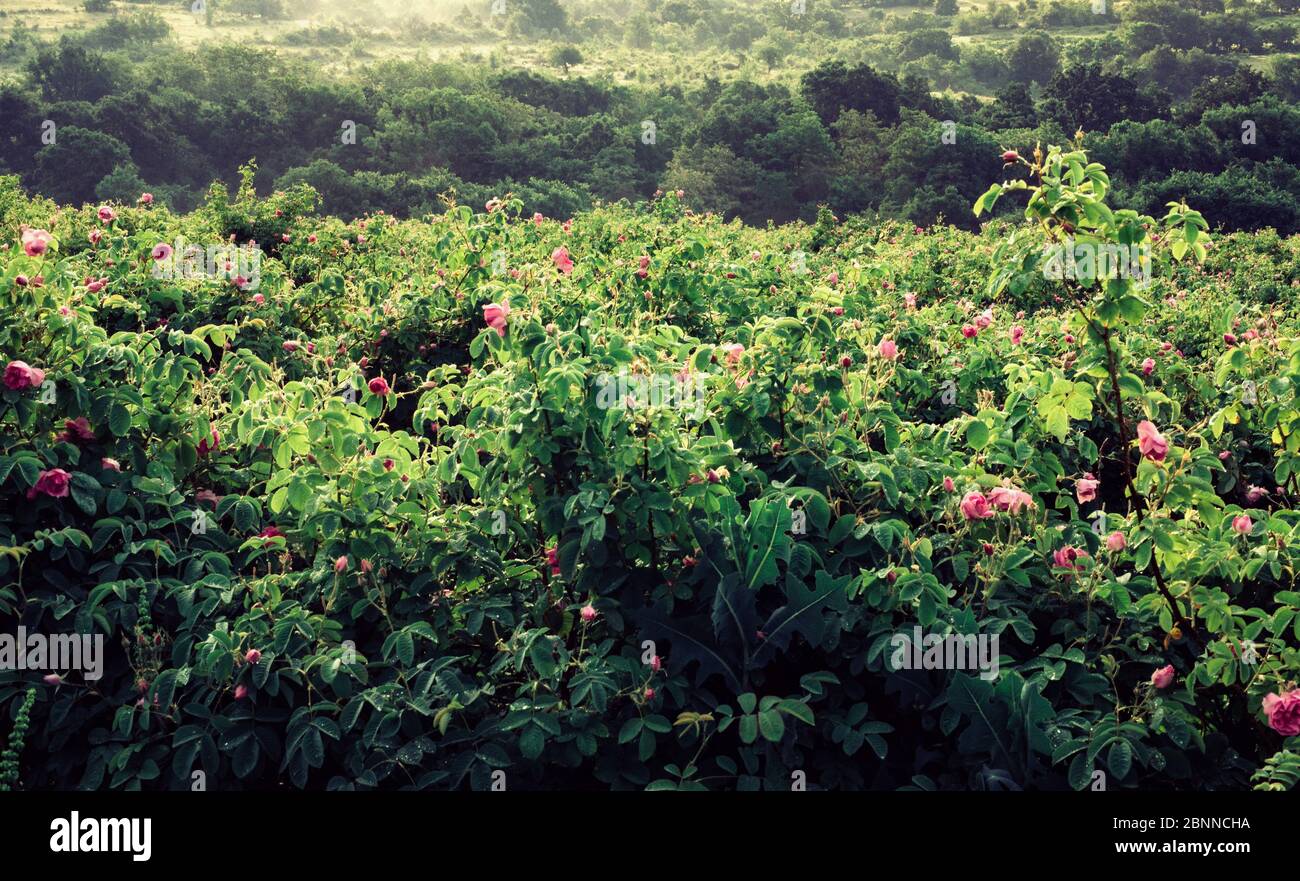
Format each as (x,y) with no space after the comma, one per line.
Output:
(1065,557)
(562,260)
(969,331)
(734,351)
(106,213)
(1008,498)
(378,386)
(53,483)
(1085,488)
(984,320)
(1151,442)
(145,199)
(1164,677)
(1115,542)
(1148,366)
(1283,712)
(36,242)
(19,375)
(888,350)
(1017,334)
(110,464)
(909,300)
(975,507)
(161,251)
(494,315)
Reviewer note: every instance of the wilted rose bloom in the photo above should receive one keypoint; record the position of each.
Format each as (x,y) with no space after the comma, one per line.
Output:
(207,495)
(562,261)
(888,350)
(1283,712)
(495,314)
(94,236)
(1017,334)
(18,376)
(36,242)
(161,251)
(378,386)
(77,430)
(1148,366)
(1164,677)
(95,285)
(1230,339)
(146,199)
(53,483)
(1242,524)
(969,331)
(1085,488)
(948,485)
(109,464)
(1255,494)
(106,213)
(984,320)
(270,532)
(366,566)
(833,278)
(909,300)
(837,311)
(258,299)
(290,345)
(1151,442)
(1010,499)
(588,613)
(734,351)
(1115,542)
(975,507)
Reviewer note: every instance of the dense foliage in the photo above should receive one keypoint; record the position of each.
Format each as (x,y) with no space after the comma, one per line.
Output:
(764,113)
(376,520)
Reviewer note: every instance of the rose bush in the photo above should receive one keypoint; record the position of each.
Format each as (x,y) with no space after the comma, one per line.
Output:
(380,521)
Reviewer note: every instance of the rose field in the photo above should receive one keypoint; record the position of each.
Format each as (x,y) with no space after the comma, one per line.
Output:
(643,499)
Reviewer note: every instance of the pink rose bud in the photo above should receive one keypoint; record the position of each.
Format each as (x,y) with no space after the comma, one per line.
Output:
(252,656)
(341,564)
(588,613)
(241,691)
(52,679)
(649,694)
(948,485)
(1164,677)
(1242,524)
(1115,542)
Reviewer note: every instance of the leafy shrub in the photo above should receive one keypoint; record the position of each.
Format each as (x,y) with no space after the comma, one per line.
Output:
(380,523)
